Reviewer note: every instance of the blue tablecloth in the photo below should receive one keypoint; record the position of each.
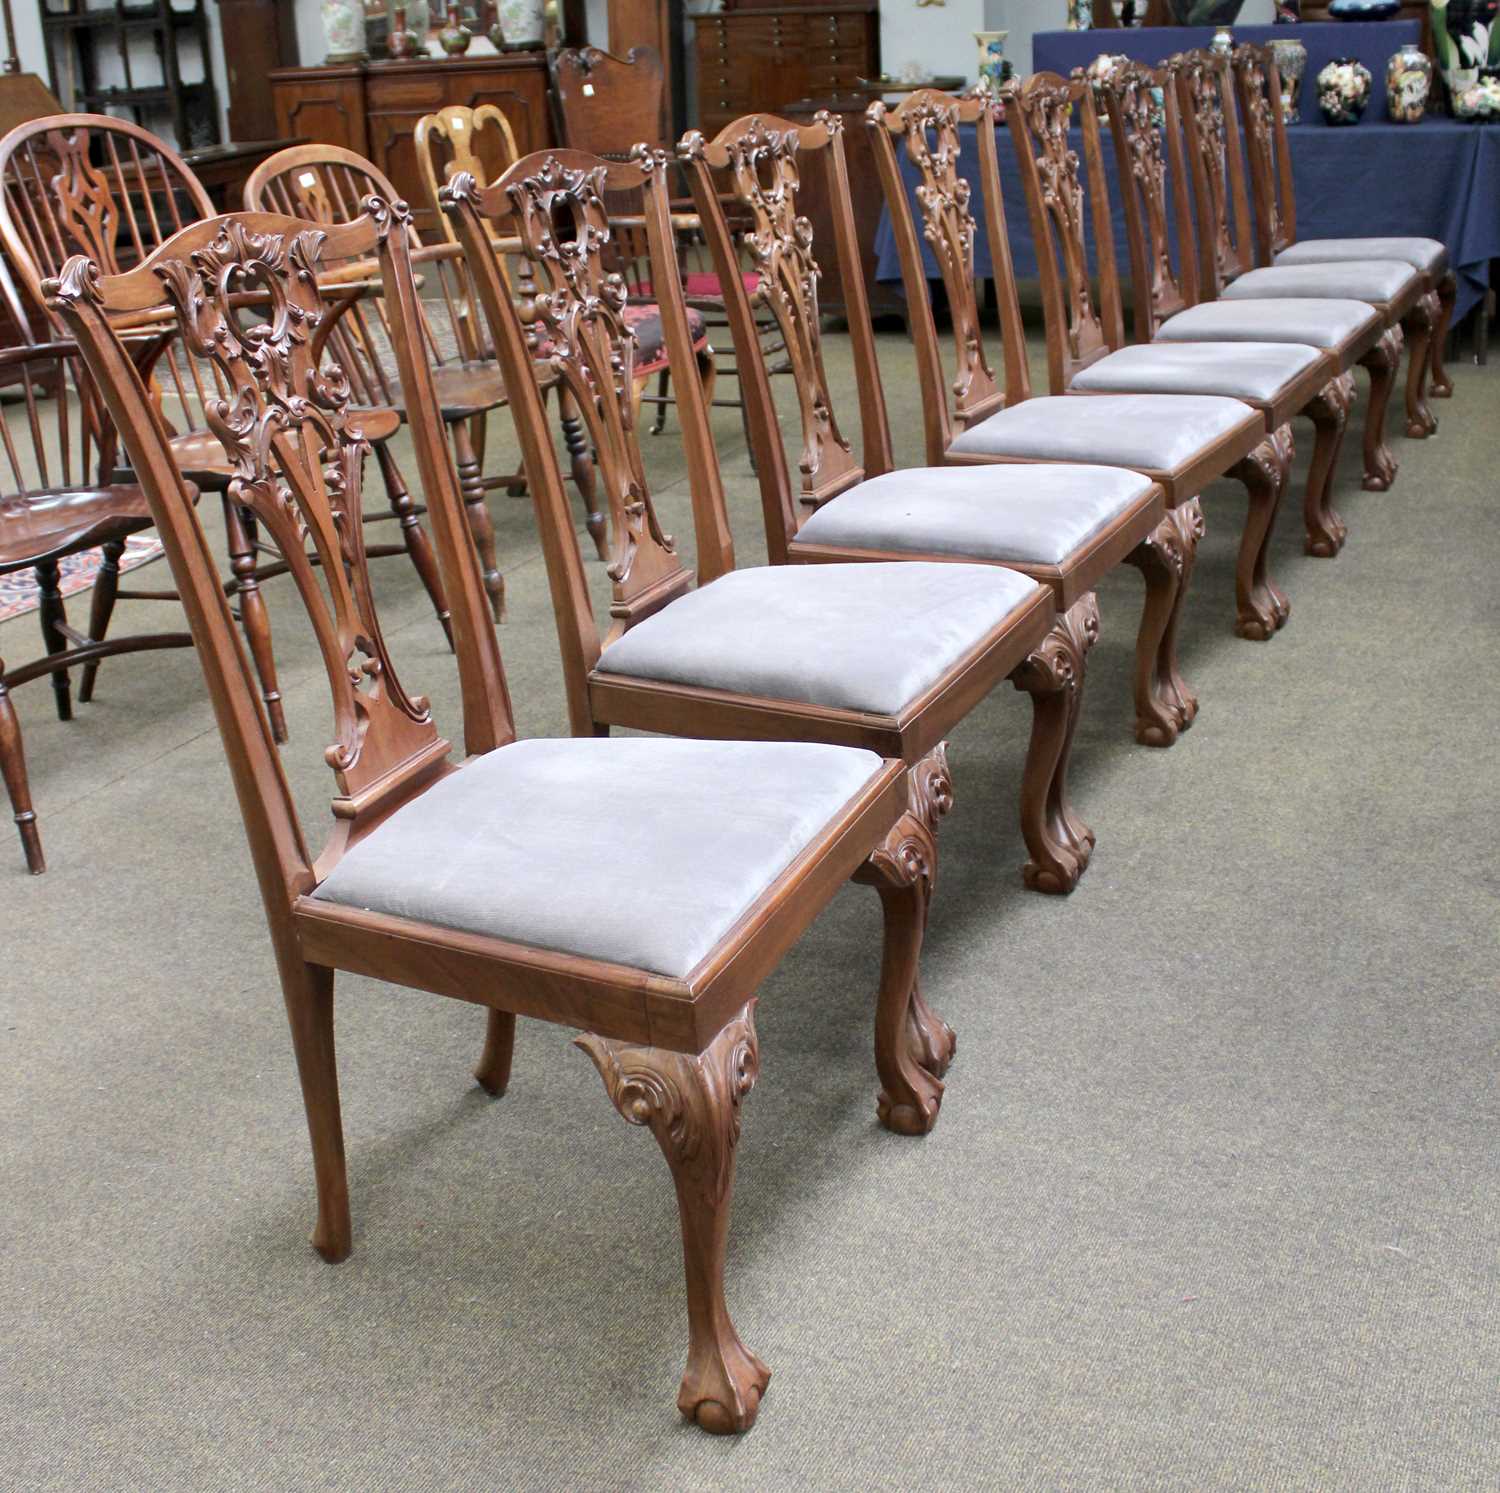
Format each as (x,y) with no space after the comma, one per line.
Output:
(1437,179)
(1372,42)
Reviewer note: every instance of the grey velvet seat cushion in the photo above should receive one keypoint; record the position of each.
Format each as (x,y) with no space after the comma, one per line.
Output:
(1030,515)
(1240,370)
(1156,431)
(1358,280)
(869,637)
(640,852)
(1427,254)
(1318,323)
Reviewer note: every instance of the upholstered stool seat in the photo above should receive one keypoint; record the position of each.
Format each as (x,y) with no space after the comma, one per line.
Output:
(866,637)
(1028,515)
(1318,323)
(1237,370)
(1155,432)
(1425,254)
(1373,280)
(528,843)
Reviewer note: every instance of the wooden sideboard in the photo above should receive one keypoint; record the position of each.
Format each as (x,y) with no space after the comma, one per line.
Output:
(767,57)
(373,108)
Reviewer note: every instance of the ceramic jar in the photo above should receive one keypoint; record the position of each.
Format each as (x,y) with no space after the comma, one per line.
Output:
(344,26)
(455,37)
(1344,90)
(1080,15)
(1291,63)
(994,65)
(1408,81)
(523,22)
(1466,38)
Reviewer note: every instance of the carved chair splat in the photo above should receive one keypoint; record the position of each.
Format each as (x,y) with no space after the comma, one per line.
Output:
(779,652)
(81,183)
(666,1004)
(1210,119)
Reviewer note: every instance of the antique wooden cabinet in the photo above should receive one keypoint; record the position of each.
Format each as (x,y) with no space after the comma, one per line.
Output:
(373,108)
(766,58)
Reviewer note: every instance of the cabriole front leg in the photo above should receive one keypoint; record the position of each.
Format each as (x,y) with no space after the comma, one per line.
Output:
(1058,840)
(1261,606)
(1164,706)
(1381,361)
(692,1107)
(1329,412)
(931,1040)
(1419,326)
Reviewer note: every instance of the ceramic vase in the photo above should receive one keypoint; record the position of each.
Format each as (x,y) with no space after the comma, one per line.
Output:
(1288,12)
(1291,63)
(994,66)
(1466,38)
(1080,15)
(344,27)
(1344,90)
(1408,81)
(523,22)
(455,37)
(1223,43)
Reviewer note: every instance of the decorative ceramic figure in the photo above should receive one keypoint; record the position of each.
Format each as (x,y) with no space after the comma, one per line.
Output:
(524,23)
(489,18)
(1408,81)
(1080,15)
(993,63)
(344,26)
(455,37)
(1291,63)
(1344,90)
(1223,43)
(1288,12)
(1481,102)
(1466,38)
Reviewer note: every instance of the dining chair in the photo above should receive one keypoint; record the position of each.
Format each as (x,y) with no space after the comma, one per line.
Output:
(1086,349)
(1182,442)
(1062,524)
(90,184)
(638,890)
(886,656)
(1258,88)
(1392,289)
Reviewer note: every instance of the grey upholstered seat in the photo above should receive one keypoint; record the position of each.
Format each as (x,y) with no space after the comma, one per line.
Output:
(1427,254)
(1158,432)
(1323,324)
(1357,280)
(639,852)
(1239,370)
(1030,515)
(869,637)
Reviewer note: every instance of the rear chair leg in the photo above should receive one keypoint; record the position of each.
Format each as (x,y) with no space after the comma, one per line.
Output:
(493,1072)
(1382,361)
(482,531)
(52,616)
(414,536)
(1059,842)
(1447,294)
(1329,412)
(254,619)
(106,589)
(1419,326)
(581,465)
(1260,604)
(692,1106)
(308,991)
(13,770)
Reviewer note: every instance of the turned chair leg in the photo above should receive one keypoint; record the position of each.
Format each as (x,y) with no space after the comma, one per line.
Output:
(53,616)
(1261,607)
(413,535)
(106,589)
(691,1105)
(1164,560)
(1447,294)
(493,1072)
(13,770)
(581,465)
(663,382)
(254,618)
(1419,327)
(308,991)
(1059,842)
(481,529)
(1329,412)
(1382,361)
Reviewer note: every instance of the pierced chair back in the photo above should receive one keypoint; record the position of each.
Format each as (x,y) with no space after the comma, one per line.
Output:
(555,203)
(1257,82)
(1210,121)
(1081,328)
(607,103)
(245,291)
(757,164)
(926,127)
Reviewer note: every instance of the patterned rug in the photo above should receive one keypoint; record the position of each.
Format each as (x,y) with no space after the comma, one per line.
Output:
(19,592)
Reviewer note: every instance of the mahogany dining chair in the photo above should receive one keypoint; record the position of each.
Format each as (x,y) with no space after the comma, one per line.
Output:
(885,656)
(690,867)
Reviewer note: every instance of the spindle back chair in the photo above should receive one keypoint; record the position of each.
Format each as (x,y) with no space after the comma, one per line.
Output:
(676,1049)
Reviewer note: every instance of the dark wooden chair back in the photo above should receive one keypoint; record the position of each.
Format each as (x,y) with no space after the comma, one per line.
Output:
(244,290)
(1257,83)
(1210,122)
(1146,127)
(927,127)
(554,202)
(754,167)
(1081,328)
(605,104)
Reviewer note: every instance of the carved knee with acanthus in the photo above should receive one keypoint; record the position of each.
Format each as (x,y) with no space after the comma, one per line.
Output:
(1329,412)
(1261,607)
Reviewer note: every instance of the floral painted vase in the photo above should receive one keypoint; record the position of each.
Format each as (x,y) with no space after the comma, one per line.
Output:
(524,22)
(1344,90)
(1481,102)
(994,65)
(344,26)
(1080,15)
(1466,38)
(455,37)
(1408,81)
(1291,64)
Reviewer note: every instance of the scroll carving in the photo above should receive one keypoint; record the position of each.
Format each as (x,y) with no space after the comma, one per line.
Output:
(1208,139)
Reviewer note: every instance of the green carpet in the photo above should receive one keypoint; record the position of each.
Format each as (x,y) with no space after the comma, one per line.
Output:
(1214,1200)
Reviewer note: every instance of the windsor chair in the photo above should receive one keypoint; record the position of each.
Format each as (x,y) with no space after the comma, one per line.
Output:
(444,876)
(84,183)
(1064,525)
